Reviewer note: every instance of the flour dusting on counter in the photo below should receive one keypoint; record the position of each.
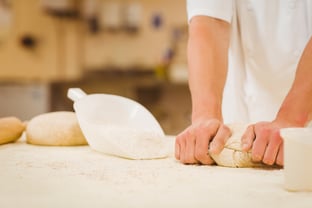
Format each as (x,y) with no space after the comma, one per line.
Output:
(39,176)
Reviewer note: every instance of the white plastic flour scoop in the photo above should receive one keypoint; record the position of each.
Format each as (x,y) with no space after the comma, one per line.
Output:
(118,126)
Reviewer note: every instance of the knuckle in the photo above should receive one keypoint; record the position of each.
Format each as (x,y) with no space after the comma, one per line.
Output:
(179,140)
(216,146)
(190,133)
(185,136)
(264,130)
(200,155)
(256,157)
(245,138)
(218,142)
(261,128)
(262,124)
(203,129)
(221,141)
(276,140)
(250,127)
(226,128)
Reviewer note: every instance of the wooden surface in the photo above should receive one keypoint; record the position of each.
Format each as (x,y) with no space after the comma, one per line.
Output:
(37,176)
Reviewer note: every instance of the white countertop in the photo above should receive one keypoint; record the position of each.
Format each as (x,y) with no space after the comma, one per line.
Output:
(43,177)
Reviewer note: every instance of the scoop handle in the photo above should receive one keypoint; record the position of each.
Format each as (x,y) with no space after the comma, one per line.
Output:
(75,94)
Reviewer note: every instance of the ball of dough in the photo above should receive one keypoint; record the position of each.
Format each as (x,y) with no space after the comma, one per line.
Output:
(11,129)
(232,154)
(55,129)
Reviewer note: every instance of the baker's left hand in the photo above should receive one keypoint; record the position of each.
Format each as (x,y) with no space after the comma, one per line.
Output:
(265,142)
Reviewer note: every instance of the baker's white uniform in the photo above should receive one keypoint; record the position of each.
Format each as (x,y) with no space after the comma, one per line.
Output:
(267,40)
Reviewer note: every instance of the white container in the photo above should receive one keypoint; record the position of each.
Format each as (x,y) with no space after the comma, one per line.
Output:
(118,126)
(297,158)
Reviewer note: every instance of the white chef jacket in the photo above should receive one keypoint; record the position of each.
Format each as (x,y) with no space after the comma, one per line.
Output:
(267,40)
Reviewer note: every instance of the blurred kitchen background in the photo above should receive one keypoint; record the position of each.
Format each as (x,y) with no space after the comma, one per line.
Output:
(132,48)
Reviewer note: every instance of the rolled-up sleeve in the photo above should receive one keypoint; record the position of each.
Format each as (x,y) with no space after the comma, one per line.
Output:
(220,9)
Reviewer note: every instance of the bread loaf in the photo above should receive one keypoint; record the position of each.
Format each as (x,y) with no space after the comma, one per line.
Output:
(11,129)
(55,129)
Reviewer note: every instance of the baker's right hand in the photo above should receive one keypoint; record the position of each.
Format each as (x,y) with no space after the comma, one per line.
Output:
(194,144)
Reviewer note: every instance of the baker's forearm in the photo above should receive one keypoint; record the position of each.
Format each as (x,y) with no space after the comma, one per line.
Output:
(208,59)
(297,106)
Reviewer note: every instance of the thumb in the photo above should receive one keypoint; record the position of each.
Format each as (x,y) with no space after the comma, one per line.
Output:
(248,138)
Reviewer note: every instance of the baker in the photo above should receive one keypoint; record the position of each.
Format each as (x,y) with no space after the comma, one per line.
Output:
(249,62)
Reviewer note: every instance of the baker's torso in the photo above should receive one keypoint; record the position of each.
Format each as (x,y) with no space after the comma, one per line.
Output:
(267,40)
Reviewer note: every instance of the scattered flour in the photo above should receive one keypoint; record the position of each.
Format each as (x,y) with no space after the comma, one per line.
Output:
(40,176)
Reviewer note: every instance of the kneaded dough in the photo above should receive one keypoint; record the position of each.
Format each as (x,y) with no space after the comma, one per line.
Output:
(55,129)
(232,154)
(11,129)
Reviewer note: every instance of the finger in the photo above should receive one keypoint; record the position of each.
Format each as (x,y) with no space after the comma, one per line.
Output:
(248,138)
(201,149)
(182,147)
(180,144)
(259,145)
(271,151)
(188,153)
(280,155)
(220,139)
(177,148)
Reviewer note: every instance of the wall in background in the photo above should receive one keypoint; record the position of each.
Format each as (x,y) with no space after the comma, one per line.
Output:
(50,45)
(46,51)
(38,46)
(24,100)
(145,47)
